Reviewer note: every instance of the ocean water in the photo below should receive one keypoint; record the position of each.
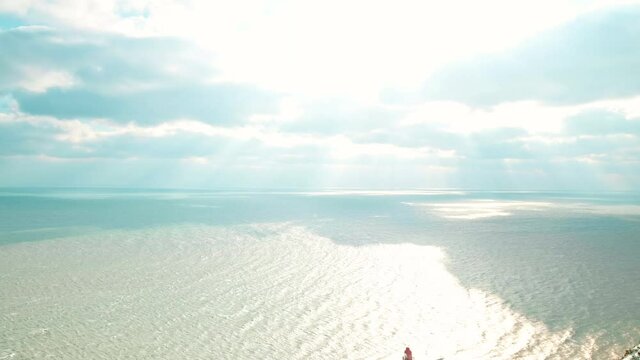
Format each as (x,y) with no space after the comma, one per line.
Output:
(150,274)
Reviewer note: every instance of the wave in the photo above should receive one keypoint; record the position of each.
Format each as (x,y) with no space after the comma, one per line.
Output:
(265,290)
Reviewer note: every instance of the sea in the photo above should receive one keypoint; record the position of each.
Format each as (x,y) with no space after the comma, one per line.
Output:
(334,274)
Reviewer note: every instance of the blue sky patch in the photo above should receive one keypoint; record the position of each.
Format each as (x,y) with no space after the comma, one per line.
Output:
(8,21)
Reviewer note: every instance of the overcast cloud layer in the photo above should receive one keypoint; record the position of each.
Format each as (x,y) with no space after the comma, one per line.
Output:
(261,94)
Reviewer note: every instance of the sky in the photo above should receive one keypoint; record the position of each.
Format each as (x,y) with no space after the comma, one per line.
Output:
(491,95)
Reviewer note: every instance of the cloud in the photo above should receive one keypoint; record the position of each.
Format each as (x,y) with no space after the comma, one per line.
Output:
(72,139)
(9,21)
(23,138)
(40,151)
(220,104)
(594,57)
(98,103)
(145,80)
(123,16)
(188,139)
(254,155)
(496,143)
(339,116)
(601,122)
(518,158)
(103,62)
(414,135)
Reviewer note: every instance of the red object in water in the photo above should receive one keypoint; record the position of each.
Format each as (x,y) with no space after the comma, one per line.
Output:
(407,354)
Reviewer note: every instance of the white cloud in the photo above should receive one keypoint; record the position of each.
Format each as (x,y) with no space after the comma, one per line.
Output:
(35,79)
(199,160)
(16,6)
(336,147)
(353,48)
(461,118)
(309,52)
(534,117)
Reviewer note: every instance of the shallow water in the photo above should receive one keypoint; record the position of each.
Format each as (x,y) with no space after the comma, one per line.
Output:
(204,275)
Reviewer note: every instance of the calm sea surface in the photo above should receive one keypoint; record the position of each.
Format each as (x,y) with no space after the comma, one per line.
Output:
(132,274)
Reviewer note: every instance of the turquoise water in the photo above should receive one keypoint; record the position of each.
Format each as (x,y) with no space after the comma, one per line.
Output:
(115,273)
